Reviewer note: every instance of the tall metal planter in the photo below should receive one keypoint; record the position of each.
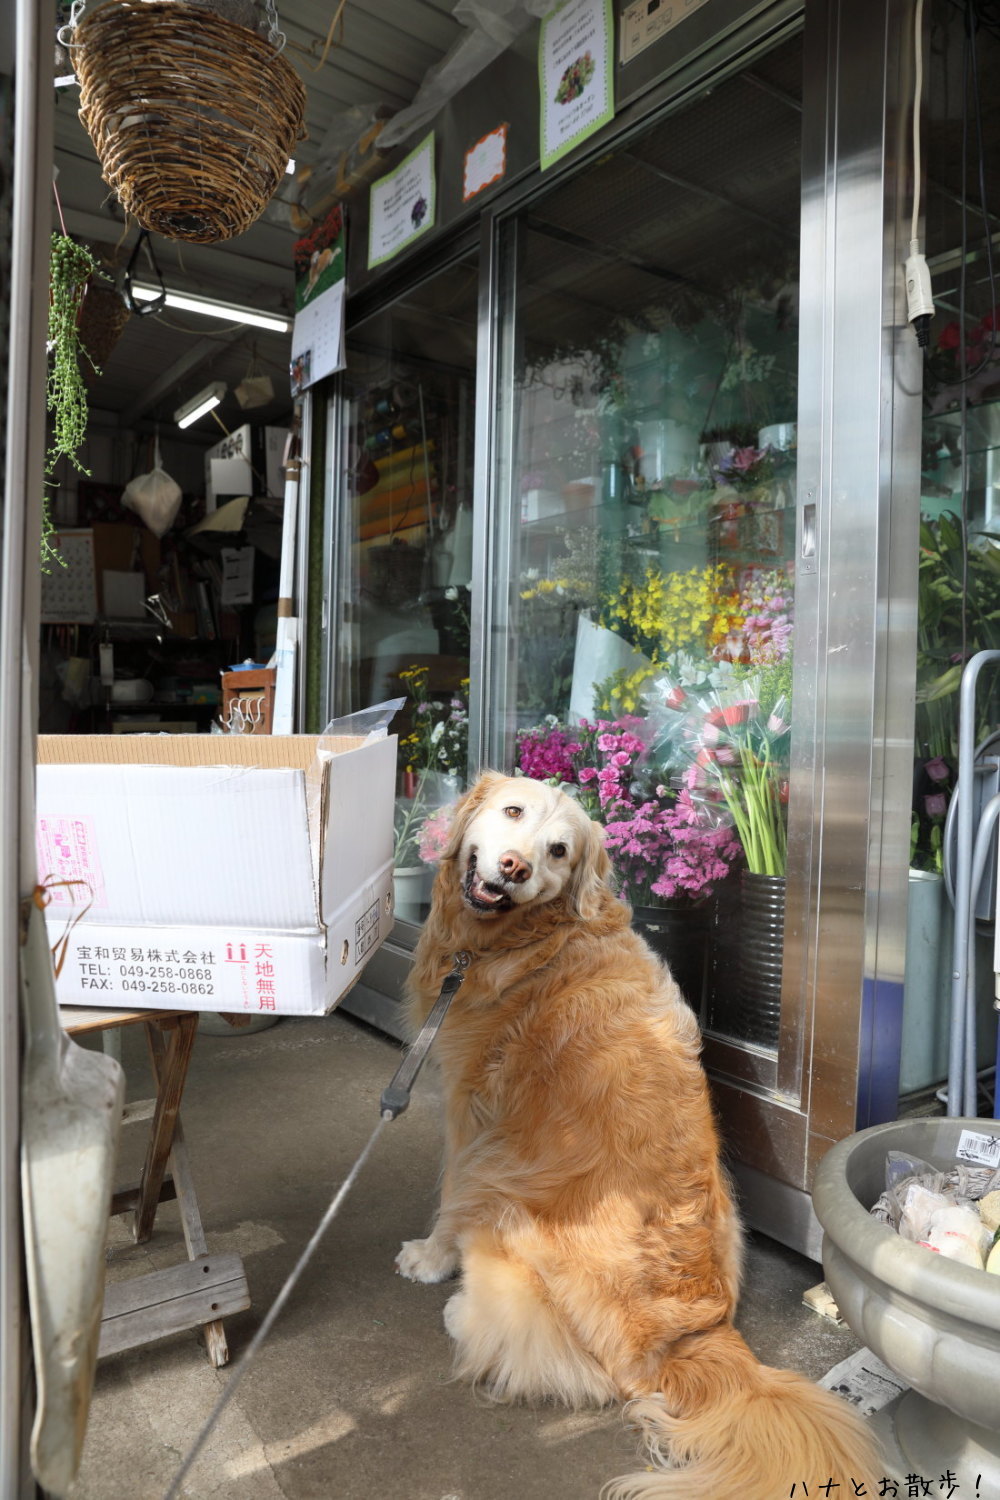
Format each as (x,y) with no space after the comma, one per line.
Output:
(679,935)
(761,949)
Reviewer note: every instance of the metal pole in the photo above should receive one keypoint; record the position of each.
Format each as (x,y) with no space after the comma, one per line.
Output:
(963,1004)
(31,217)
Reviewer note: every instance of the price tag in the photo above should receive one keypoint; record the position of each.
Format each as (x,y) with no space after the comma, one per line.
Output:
(980,1148)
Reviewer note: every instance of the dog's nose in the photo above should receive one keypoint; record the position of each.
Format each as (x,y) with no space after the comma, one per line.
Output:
(513,867)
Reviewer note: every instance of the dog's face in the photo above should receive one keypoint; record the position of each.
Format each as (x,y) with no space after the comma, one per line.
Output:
(517,843)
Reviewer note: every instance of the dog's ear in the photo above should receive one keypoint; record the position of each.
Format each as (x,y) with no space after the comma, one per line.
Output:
(589,888)
(466,807)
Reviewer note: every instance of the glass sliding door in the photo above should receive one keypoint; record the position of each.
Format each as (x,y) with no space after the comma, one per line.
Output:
(408,417)
(647,447)
(959,558)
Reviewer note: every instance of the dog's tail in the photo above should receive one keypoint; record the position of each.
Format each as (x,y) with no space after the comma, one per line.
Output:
(725,1426)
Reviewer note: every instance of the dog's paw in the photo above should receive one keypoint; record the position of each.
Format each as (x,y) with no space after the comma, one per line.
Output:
(426,1260)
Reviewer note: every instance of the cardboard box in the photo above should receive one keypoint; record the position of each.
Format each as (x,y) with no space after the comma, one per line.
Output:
(215,872)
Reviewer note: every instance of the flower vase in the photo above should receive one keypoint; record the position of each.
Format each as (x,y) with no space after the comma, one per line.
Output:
(438,788)
(757,1012)
(412,892)
(679,935)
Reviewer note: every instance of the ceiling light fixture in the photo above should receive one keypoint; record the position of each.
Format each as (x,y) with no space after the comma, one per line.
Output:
(188,302)
(200,404)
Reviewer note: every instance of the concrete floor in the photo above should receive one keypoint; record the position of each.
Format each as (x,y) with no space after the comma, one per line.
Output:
(351,1395)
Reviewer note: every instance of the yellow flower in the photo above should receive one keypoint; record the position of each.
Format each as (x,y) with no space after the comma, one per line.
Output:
(670,612)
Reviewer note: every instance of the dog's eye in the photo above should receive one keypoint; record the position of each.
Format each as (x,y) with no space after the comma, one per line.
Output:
(557,850)
(512,812)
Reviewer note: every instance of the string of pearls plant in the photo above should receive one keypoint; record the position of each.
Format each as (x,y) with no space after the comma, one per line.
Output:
(70,266)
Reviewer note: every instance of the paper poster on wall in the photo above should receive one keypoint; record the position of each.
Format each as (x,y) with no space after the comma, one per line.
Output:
(402,205)
(69,588)
(575,74)
(318,333)
(485,162)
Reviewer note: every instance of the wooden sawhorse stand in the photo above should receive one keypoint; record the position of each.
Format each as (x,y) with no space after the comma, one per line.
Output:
(208,1287)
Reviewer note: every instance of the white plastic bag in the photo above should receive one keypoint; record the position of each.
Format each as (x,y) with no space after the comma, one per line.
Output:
(155,497)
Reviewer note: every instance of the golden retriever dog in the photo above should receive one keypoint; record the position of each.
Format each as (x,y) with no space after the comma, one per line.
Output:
(582,1197)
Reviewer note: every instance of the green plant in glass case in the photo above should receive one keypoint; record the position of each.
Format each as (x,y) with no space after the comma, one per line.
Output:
(958,614)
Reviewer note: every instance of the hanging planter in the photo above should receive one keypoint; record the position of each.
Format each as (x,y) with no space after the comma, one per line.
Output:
(103,317)
(192,116)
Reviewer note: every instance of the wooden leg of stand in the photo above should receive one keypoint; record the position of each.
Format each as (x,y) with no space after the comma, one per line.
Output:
(170,1087)
(194,1233)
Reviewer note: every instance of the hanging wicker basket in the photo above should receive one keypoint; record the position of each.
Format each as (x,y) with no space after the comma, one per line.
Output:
(193,117)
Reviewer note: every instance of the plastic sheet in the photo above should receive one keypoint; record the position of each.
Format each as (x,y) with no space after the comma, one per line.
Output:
(346,160)
(493,26)
(372,722)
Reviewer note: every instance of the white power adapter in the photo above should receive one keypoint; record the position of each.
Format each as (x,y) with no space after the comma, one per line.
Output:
(919,296)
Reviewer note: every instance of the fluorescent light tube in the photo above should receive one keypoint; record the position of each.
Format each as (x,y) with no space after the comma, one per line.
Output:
(200,404)
(186,302)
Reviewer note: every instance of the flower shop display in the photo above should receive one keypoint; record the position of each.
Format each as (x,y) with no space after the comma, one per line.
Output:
(668,850)
(650,621)
(738,743)
(547,615)
(422,830)
(439,737)
(435,831)
(433,758)
(978,366)
(957,590)
(662,612)
(743,757)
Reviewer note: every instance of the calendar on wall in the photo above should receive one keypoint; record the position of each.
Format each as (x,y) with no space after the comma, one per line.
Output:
(69,592)
(318,332)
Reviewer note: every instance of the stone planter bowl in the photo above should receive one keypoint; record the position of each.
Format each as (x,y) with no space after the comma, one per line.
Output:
(934,1322)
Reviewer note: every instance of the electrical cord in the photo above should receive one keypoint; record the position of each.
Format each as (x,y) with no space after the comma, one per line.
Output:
(918,87)
(919,295)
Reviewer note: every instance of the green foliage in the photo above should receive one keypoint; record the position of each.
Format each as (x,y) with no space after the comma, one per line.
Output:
(49,554)
(773,681)
(70,266)
(958,615)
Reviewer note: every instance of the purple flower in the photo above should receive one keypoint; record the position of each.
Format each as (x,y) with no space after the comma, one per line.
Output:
(936,805)
(937,769)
